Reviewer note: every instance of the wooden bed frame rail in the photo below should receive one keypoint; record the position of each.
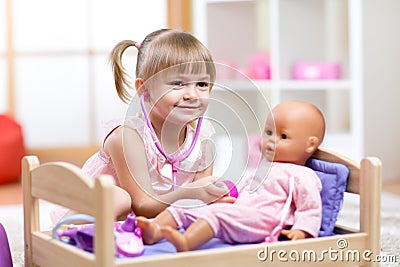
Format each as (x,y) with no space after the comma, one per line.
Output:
(65,184)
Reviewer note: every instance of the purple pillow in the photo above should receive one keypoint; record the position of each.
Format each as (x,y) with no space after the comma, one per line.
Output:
(334,181)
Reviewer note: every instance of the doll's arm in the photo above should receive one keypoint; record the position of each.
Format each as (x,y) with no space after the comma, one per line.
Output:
(295,234)
(306,197)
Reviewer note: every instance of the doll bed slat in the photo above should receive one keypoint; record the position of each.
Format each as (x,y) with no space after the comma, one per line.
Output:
(48,183)
(46,250)
(365,179)
(247,255)
(78,193)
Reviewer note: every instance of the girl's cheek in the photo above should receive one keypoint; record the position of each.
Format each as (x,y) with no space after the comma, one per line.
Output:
(205,100)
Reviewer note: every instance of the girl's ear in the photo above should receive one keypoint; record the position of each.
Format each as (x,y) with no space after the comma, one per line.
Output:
(312,145)
(139,85)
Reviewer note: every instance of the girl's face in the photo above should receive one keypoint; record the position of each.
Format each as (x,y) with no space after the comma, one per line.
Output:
(179,97)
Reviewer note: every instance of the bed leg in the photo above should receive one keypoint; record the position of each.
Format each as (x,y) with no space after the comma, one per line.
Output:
(370,204)
(31,207)
(104,241)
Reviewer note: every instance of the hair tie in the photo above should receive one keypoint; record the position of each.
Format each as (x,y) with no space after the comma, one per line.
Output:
(138,45)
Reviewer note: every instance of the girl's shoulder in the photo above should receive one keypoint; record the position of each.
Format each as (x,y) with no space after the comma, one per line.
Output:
(135,122)
(207,130)
(115,128)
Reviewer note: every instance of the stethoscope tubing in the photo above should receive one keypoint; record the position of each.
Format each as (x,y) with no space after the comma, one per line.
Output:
(170,158)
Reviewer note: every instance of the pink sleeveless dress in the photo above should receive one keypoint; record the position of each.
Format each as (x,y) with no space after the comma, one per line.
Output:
(160,171)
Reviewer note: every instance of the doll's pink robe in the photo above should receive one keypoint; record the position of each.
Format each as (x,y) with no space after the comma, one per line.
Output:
(258,209)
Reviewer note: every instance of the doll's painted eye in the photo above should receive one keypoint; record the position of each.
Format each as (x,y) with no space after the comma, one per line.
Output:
(269,132)
(284,136)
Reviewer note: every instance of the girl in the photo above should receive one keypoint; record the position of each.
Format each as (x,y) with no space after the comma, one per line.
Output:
(161,155)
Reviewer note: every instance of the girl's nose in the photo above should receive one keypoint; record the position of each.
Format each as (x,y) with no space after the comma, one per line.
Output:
(190,91)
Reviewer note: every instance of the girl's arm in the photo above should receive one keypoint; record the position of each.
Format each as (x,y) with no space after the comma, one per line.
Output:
(128,155)
(220,193)
(207,149)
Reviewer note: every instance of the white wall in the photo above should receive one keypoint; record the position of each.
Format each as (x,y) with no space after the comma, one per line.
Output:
(382,83)
(63,93)
(3,82)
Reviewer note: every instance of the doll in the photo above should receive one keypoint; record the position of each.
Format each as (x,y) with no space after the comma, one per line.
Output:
(293,132)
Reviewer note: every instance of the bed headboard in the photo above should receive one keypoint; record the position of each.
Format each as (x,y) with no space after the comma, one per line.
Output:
(353,183)
(65,184)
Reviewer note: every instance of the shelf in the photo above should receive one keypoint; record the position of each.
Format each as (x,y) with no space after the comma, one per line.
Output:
(314,85)
(295,85)
(288,32)
(227,1)
(242,85)
(341,143)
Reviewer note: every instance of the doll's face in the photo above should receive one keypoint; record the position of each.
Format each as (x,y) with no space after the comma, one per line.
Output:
(289,134)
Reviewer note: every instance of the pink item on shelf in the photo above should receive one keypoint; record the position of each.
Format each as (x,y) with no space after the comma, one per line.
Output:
(316,71)
(259,66)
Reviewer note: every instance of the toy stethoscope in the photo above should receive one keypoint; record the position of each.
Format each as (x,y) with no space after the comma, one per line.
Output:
(173,160)
(128,236)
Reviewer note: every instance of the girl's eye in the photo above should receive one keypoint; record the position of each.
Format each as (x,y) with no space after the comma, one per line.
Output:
(284,136)
(269,132)
(202,84)
(177,84)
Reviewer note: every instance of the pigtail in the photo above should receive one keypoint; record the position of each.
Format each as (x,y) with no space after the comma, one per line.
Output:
(120,75)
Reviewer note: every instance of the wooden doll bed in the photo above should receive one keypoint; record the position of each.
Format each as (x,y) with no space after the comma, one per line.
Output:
(65,184)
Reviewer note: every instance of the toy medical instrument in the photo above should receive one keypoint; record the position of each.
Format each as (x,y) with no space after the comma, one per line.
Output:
(5,253)
(233,192)
(173,160)
(128,237)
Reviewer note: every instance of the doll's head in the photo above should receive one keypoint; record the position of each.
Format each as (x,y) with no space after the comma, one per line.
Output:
(293,132)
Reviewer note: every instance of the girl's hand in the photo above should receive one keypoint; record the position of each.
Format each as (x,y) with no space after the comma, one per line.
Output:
(225,199)
(202,182)
(206,190)
(222,192)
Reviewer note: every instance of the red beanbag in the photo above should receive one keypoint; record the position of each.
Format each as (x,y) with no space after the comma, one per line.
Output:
(11,149)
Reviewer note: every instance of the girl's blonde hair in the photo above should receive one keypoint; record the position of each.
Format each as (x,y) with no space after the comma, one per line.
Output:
(160,50)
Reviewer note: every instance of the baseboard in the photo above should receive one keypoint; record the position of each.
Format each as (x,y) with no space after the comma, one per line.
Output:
(391,186)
